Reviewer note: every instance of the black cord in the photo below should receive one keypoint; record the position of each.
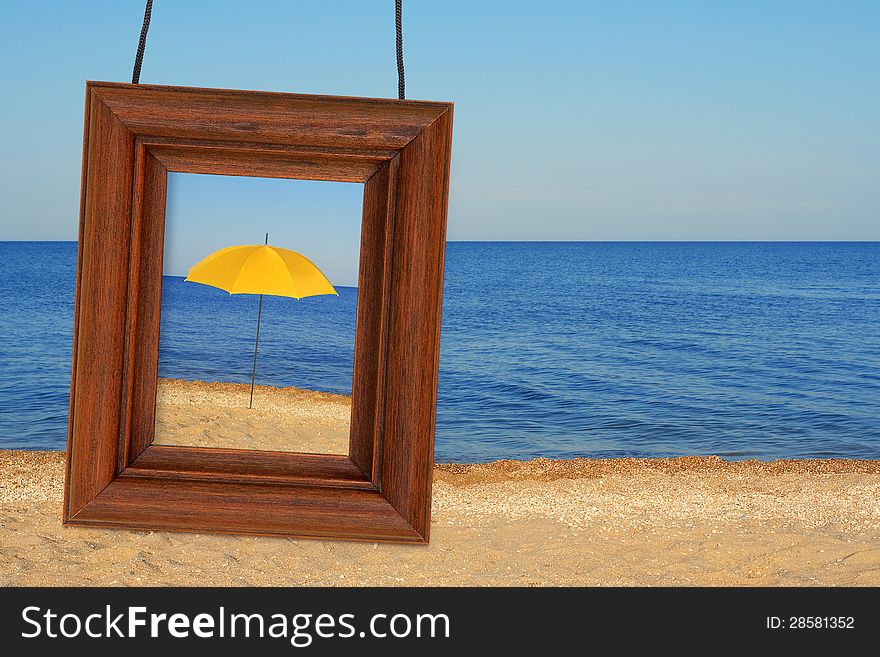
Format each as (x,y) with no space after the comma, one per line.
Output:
(142,44)
(398,24)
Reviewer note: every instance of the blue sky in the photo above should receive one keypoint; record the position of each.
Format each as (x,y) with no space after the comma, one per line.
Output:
(320,219)
(605,120)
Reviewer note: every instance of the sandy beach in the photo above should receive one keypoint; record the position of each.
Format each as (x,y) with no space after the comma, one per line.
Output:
(622,522)
(629,522)
(202,414)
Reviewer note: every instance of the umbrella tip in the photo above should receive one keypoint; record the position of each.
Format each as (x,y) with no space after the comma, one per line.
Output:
(267,239)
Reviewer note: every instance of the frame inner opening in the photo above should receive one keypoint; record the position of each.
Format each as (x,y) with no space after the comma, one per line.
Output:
(303,371)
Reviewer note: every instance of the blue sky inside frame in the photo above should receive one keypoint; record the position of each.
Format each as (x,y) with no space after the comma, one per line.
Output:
(319,219)
(594,120)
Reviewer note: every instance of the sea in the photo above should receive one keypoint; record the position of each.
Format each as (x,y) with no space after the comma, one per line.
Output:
(743,350)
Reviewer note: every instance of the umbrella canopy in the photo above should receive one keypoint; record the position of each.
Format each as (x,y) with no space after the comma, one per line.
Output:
(261,269)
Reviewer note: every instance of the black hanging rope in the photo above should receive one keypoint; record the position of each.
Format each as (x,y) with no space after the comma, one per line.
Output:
(142,44)
(398,24)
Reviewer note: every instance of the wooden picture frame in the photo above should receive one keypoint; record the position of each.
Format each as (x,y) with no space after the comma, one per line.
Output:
(134,135)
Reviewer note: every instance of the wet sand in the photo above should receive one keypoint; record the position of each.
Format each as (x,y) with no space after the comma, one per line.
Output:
(618,522)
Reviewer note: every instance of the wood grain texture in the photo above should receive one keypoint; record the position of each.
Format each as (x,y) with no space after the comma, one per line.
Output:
(266,509)
(76,303)
(248,466)
(250,160)
(133,136)
(99,332)
(414,305)
(144,302)
(368,388)
(263,117)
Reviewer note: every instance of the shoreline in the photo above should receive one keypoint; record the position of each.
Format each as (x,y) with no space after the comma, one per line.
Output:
(545,469)
(548,469)
(611,522)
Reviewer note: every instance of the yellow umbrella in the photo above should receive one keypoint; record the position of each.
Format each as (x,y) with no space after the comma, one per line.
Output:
(260,269)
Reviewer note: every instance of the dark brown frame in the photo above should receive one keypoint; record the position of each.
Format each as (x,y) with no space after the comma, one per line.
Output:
(134,135)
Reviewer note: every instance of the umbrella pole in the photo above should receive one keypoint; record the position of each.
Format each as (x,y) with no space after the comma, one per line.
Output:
(256,344)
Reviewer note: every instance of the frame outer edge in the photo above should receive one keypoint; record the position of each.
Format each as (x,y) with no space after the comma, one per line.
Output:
(414,329)
(447,119)
(100,307)
(65,513)
(108,322)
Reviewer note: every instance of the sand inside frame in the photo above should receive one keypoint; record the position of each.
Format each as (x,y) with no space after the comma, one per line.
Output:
(202,414)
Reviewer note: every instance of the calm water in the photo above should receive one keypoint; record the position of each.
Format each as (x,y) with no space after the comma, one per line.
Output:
(548,349)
